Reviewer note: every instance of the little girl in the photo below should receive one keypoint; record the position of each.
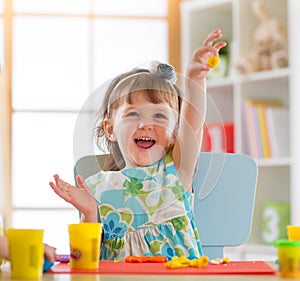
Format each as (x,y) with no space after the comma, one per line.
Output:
(144,196)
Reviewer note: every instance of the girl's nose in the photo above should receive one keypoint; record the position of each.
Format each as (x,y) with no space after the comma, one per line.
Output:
(145,125)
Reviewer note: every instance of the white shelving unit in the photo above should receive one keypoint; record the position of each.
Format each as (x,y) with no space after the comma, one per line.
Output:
(279,178)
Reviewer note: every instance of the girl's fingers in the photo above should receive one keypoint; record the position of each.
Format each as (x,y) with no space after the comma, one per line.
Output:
(61,184)
(52,185)
(204,52)
(80,181)
(220,45)
(61,188)
(82,184)
(50,252)
(214,35)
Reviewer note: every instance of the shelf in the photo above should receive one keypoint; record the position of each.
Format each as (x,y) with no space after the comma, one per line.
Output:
(251,252)
(251,78)
(278,178)
(265,75)
(272,162)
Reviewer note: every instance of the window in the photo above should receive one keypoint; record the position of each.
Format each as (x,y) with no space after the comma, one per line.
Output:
(62,51)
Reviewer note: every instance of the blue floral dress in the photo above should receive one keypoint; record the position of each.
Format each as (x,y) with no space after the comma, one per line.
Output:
(145,211)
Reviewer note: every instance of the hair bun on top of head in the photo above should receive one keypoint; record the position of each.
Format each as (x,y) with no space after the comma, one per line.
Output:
(164,71)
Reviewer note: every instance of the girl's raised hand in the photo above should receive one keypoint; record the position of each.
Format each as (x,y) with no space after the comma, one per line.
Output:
(81,198)
(198,68)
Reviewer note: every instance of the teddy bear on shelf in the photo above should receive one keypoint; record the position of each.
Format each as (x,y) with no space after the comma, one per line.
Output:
(270,39)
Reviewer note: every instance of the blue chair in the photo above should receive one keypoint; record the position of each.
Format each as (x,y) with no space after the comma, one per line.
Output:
(224,187)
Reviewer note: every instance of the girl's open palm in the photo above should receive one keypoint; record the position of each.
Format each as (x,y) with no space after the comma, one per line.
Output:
(81,198)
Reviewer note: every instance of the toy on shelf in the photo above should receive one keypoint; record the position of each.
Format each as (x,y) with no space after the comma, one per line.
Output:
(269,43)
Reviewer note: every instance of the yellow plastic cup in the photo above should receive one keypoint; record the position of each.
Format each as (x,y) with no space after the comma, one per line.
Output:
(85,239)
(293,232)
(288,258)
(26,253)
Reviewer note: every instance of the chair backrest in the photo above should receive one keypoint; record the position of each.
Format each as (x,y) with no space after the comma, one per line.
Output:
(224,187)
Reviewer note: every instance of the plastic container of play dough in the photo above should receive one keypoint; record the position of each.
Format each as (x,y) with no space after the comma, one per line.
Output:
(288,258)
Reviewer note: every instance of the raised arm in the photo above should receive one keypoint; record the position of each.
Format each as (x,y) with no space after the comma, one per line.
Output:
(193,110)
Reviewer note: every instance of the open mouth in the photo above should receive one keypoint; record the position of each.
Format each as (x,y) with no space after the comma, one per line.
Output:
(144,142)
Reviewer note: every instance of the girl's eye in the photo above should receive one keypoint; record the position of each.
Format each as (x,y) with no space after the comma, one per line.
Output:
(132,114)
(160,116)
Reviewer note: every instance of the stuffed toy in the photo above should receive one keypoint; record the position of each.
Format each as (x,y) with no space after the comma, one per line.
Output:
(270,38)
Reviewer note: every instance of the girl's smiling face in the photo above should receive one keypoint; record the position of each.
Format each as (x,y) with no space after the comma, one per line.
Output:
(144,130)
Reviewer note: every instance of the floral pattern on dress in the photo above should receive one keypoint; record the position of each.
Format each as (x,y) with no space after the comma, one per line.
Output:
(145,211)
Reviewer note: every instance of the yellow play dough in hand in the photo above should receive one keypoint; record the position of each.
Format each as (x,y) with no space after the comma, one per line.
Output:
(213,61)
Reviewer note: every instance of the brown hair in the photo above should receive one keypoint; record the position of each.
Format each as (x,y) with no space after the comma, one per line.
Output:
(157,90)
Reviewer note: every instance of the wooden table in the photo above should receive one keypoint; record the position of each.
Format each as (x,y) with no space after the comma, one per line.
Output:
(5,276)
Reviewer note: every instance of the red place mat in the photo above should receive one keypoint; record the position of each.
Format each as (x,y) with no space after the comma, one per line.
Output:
(111,267)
